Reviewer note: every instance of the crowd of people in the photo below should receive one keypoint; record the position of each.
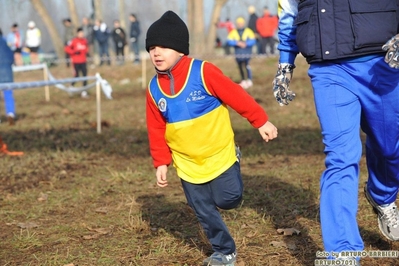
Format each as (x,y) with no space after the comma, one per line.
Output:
(81,45)
(244,35)
(264,27)
(99,36)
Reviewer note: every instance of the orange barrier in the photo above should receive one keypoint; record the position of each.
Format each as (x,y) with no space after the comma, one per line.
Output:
(4,150)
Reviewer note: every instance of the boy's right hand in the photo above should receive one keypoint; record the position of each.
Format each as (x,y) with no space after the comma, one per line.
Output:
(161,175)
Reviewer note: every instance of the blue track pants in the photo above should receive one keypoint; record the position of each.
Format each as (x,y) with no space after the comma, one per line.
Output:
(9,103)
(349,96)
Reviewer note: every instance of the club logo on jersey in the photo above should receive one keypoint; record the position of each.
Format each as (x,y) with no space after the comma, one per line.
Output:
(195,96)
(162,105)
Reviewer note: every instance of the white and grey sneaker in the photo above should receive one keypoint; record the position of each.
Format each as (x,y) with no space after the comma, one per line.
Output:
(218,259)
(388,217)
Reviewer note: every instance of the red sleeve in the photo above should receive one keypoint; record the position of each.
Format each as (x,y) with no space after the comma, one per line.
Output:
(69,48)
(87,47)
(234,95)
(156,127)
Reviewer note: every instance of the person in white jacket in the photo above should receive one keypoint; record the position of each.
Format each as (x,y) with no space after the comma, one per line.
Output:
(33,41)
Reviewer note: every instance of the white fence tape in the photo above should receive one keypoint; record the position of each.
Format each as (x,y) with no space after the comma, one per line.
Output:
(58,83)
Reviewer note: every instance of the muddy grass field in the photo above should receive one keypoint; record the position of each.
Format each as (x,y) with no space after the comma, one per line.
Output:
(81,198)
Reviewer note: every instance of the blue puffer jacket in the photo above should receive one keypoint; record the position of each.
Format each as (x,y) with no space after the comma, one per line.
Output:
(328,30)
(101,34)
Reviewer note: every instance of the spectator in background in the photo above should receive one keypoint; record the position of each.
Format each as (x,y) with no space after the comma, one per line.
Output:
(77,50)
(15,42)
(242,39)
(101,35)
(87,28)
(229,26)
(119,38)
(252,25)
(33,41)
(69,34)
(134,35)
(266,27)
(6,75)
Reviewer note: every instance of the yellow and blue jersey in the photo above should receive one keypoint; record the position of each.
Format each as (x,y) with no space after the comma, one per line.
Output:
(198,128)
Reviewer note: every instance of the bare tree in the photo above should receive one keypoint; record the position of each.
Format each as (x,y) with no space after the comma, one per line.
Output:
(191,22)
(196,17)
(122,17)
(73,13)
(98,11)
(55,36)
(200,42)
(217,8)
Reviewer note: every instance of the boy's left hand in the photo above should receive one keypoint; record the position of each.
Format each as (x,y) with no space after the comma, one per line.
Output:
(268,131)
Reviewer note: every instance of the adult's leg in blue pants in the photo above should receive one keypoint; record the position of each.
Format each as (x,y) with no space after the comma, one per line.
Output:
(224,192)
(338,110)
(381,124)
(346,96)
(9,103)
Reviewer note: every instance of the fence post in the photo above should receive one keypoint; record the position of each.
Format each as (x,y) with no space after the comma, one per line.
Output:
(143,71)
(98,100)
(46,87)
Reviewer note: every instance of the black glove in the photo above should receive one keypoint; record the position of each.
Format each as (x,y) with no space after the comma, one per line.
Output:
(281,83)
(392,48)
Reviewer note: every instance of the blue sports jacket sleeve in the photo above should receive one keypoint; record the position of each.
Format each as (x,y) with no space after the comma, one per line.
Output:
(287,12)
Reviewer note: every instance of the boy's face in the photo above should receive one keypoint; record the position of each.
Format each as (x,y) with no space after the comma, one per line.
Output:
(163,58)
(240,25)
(80,34)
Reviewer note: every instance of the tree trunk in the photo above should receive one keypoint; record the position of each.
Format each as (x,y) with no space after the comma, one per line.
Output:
(201,43)
(195,12)
(122,17)
(55,36)
(98,11)
(73,13)
(211,36)
(199,27)
(190,22)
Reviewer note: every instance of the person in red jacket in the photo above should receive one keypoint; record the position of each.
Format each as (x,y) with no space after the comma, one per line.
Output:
(78,49)
(229,26)
(266,27)
(188,123)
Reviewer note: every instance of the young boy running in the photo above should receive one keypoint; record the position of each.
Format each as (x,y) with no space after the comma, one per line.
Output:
(188,123)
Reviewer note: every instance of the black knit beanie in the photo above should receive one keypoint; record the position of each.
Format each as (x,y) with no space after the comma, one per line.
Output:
(169,31)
